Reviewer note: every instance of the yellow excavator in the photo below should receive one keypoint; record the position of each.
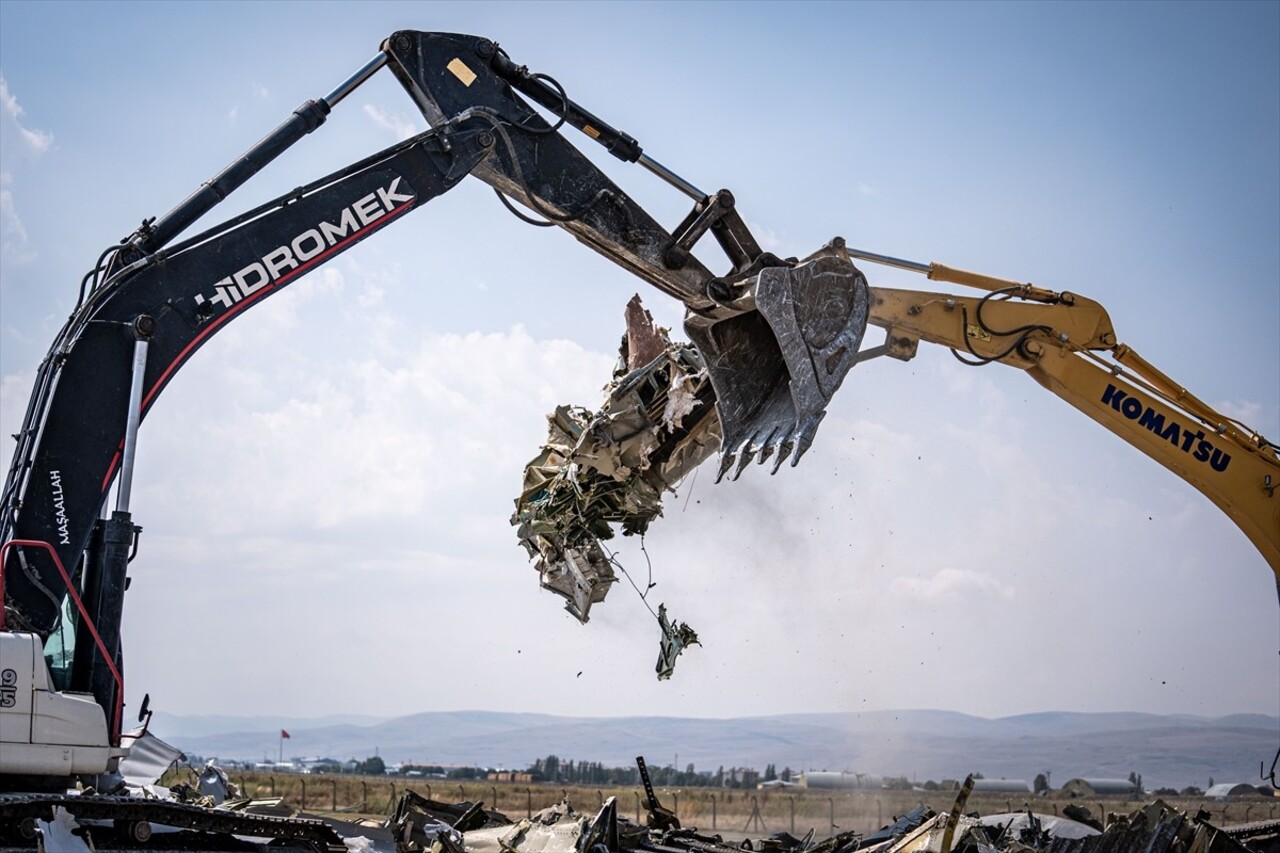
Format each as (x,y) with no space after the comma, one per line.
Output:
(1067,344)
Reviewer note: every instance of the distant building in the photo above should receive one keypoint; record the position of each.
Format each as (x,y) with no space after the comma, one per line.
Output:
(510,776)
(1001,786)
(1100,788)
(740,777)
(838,779)
(1231,790)
(277,766)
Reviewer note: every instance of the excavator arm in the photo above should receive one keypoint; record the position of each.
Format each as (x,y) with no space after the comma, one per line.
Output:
(150,303)
(1066,343)
(777,335)
(124,343)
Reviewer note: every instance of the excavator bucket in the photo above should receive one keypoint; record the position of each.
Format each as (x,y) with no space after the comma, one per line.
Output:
(774,369)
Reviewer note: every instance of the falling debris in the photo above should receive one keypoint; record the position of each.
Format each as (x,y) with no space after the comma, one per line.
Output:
(611,467)
(675,637)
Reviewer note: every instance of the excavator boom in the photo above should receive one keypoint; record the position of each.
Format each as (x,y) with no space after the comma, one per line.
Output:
(70,448)
(764,326)
(1067,343)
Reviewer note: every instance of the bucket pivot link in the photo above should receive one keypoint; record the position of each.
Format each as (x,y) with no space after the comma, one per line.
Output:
(776,363)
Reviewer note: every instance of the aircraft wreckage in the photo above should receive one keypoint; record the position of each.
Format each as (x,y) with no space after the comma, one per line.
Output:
(611,467)
(213,816)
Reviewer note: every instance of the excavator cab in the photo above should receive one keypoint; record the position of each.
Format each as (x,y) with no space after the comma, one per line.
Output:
(46,730)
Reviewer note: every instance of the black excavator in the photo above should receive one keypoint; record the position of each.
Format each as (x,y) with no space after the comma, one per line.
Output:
(155,297)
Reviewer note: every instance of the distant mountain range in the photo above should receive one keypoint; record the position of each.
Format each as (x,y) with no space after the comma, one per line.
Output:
(1168,750)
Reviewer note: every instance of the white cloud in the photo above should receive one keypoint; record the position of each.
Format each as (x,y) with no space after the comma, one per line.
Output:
(13,233)
(15,388)
(1252,414)
(376,433)
(371,296)
(37,141)
(8,101)
(950,584)
(16,139)
(261,92)
(10,223)
(1247,411)
(402,127)
(766,237)
(867,189)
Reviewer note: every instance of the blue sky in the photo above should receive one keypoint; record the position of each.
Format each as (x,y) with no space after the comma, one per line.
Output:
(325,488)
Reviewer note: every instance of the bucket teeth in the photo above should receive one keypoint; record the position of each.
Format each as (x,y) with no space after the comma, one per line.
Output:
(804,436)
(762,445)
(746,452)
(775,368)
(777,444)
(765,449)
(784,450)
(726,462)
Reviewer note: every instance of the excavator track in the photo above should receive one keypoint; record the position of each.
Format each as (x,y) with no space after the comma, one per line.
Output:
(132,819)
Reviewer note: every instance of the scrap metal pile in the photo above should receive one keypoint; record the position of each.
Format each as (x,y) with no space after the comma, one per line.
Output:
(424,825)
(1154,828)
(418,825)
(130,810)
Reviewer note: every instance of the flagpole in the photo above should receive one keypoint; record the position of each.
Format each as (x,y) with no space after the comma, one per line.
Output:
(280,756)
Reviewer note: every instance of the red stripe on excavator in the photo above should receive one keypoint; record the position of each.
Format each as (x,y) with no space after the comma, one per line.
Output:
(244,303)
(107,658)
(111,469)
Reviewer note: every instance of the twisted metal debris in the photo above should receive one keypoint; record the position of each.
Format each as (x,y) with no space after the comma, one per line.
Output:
(610,468)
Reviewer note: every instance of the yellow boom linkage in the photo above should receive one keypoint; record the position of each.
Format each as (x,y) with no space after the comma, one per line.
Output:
(1067,343)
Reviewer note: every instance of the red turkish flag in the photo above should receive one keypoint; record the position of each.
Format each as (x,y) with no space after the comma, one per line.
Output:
(283,734)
